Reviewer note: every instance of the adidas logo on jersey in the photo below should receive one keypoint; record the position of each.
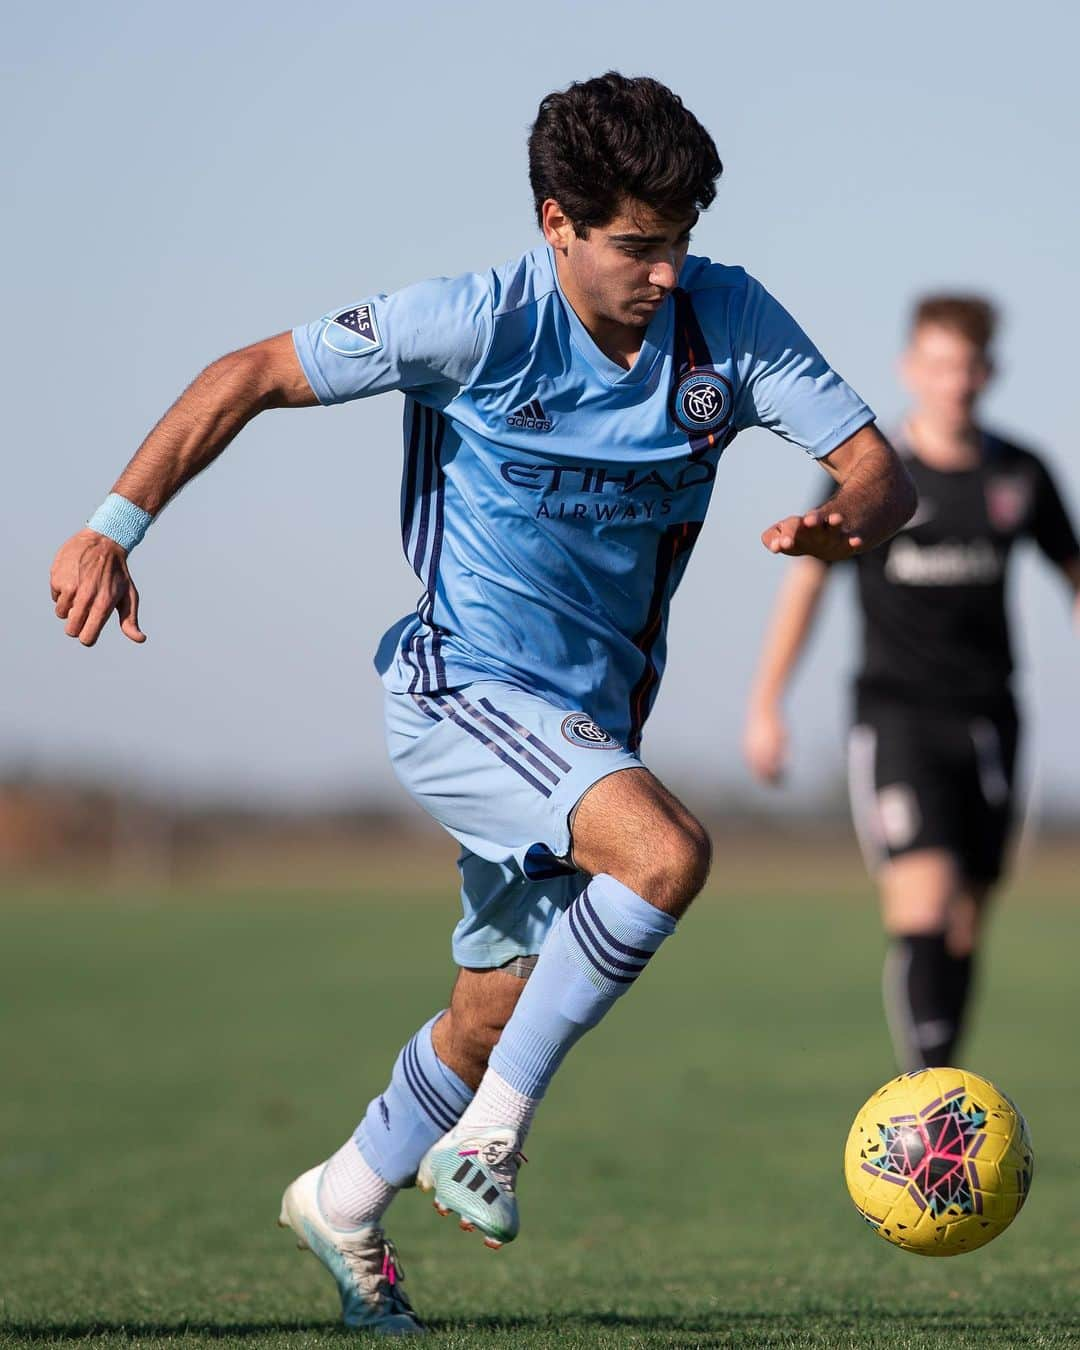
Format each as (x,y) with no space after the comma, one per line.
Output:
(530,418)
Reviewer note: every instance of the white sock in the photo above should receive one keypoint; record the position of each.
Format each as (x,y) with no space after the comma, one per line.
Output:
(352,1194)
(497,1103)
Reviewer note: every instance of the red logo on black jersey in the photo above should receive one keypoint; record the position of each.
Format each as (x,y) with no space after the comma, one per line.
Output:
(1007,502)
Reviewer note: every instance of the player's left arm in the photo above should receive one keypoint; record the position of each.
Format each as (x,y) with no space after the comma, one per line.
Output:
(1053,531)
(786,385)
(1071,569)
(874,498)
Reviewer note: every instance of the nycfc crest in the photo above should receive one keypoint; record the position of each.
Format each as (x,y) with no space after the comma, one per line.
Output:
(581,730)
(701,402)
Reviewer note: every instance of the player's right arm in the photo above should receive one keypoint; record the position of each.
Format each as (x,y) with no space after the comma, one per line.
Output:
(765,736)
(90,577)
(430,336)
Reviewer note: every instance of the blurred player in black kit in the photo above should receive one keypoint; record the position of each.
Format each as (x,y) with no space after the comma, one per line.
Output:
(933,747)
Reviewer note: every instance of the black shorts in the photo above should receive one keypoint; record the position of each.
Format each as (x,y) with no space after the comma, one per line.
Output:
(930,779)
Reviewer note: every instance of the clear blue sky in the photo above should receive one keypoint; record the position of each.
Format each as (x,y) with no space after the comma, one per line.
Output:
(186,179)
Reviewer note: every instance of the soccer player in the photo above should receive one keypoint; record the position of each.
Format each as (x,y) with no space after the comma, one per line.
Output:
(933,748)
(564,418)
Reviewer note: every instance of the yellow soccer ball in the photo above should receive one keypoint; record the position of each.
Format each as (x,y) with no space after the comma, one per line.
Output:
(939,1161)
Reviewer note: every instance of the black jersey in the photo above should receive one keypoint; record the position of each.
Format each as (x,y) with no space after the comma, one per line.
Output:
(933,597)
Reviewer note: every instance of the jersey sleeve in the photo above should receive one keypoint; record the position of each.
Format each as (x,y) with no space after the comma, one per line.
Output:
(1051,527)
(430,334)
(785,384)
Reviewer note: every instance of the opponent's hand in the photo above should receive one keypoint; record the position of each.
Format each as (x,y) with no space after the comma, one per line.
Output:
(817,534)
(765,745)
(90,579)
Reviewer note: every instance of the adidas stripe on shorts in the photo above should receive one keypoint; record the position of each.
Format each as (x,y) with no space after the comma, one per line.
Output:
(502,770)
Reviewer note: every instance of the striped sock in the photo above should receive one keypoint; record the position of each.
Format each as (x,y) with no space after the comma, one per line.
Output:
(926,992)
(422,1101)
(593,954)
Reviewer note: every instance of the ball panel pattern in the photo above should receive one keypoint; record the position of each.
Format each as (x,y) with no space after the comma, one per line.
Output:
(938,1161)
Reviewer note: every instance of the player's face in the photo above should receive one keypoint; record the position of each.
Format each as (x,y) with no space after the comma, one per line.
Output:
(621,272)
(945,373)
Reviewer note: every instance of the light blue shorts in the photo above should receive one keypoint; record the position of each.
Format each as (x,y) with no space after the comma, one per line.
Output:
(502,771)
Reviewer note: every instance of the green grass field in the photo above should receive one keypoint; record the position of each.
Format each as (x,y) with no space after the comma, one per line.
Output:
(170,1063)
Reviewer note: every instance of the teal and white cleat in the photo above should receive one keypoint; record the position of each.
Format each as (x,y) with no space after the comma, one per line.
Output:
(474,1175)
(362,1261)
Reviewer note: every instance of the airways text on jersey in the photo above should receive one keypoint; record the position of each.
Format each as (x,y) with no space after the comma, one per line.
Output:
(597,492)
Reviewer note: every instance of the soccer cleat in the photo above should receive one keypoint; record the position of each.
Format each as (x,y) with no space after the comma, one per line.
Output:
(474,1175)
(362,1261)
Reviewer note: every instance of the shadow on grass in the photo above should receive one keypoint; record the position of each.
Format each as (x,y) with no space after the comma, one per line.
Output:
(716,1329)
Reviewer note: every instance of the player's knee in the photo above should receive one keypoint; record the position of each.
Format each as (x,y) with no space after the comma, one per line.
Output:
(918,892)
(630,827)
(965,917)
(677,865)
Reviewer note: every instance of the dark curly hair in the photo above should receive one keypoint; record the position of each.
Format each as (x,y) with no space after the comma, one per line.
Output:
(610,138)
(972,316)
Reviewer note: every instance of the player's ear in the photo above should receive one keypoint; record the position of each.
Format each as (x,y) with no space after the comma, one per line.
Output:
(558,228)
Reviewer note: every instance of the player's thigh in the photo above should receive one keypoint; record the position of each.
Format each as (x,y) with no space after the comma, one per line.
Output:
(506,915)
(501,770)
(987,794)
(632,828)
(987,789)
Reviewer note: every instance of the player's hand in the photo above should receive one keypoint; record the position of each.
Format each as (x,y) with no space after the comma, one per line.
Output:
(817,534)
(90,579)
(765,745)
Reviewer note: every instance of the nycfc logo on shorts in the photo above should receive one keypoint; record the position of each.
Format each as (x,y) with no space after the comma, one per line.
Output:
(701,402)
(581,730)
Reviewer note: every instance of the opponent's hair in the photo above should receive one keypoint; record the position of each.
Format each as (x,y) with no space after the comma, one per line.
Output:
(604,140)
(972,316)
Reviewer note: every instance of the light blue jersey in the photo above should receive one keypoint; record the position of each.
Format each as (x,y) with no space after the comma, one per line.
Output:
(550,498)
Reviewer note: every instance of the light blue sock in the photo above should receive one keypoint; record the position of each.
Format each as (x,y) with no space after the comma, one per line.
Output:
(593,954)
(422,1101)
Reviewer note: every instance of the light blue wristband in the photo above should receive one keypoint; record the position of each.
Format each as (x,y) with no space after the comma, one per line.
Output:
(121,520)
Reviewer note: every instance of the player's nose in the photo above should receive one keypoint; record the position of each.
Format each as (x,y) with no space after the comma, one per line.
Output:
(663,275)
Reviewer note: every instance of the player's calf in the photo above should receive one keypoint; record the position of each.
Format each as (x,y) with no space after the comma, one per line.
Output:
(480,1007)
(648,858)
(592,956)
(927,977)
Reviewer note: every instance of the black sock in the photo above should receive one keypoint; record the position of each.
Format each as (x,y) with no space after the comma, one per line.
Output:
(926,993)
